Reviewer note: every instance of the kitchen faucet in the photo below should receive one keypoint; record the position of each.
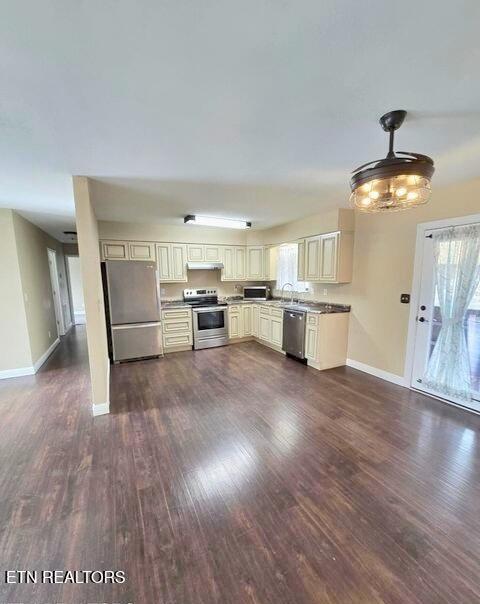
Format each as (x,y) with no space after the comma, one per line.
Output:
(283,287)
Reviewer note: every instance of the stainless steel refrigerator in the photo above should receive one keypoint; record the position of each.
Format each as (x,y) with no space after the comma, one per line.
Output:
(134,309)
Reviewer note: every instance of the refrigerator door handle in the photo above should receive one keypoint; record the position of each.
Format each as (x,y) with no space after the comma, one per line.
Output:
(135,325)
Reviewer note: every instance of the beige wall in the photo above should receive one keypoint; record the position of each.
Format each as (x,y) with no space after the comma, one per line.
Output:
(32,245)
(15,348)
(324,222)
(171,233)
(87,229)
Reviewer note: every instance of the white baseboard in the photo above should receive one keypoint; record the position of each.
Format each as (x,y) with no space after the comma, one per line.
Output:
(13,373)
(45,355)
(101,409)
(399,380)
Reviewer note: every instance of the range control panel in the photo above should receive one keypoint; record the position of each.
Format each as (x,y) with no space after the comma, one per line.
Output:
(193,293)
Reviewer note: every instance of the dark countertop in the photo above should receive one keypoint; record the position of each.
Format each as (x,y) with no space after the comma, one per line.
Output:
(319,308)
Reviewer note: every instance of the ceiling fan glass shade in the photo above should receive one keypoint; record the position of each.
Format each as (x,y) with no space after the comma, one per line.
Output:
(398,182)
(391,194)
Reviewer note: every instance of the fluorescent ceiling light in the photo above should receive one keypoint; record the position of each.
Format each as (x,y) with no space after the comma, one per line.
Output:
(226,223)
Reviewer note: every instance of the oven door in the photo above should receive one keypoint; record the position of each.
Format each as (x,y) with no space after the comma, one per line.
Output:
(209,322)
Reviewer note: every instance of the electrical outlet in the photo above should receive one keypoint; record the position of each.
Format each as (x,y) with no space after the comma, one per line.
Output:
(325,292)
(162,291)
(49,335)
(25,295)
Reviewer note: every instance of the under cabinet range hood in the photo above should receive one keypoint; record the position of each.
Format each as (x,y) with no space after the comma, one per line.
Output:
(204,266)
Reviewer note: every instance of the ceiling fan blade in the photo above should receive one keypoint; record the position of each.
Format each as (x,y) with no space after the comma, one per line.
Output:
(417,156)
(365,165)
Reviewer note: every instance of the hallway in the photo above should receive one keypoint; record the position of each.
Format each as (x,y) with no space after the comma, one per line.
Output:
(235,475)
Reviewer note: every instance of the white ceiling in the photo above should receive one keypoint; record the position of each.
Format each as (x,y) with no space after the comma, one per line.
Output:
(255,109)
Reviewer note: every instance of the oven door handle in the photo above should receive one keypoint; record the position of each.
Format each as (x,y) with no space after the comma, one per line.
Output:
(198,310)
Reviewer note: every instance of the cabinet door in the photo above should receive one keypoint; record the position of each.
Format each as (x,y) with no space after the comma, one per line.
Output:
(264,327)
(276,331)
(255,317)
(115,250)
(213,253)
(247,319)
(255,263)
(312,253)
(179,262)
(164,254)
(195,253)
(301,261)
(139,250)
(328,257)
(311,345)
(228,272)
(234,330)
(240,268)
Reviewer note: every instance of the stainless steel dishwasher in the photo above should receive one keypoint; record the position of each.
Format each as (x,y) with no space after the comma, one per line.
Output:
(294,333)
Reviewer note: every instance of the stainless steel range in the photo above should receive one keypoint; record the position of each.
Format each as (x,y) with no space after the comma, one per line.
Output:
(210,325)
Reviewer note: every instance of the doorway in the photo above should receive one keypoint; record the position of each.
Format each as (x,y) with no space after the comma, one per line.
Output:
(76,289)
(446,356)
(57,300)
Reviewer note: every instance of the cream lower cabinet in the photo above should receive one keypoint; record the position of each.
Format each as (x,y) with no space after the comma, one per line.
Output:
(326,340)
(270,325)
(240,321)
(172,262)
(177,329)
(255,319)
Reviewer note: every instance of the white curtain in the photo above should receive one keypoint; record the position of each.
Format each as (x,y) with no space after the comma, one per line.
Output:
(457,275)
(287,267)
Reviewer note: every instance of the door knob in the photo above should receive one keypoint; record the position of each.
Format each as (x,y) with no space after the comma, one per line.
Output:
(423,320)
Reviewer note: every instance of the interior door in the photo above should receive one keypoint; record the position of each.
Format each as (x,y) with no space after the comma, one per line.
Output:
(429,323)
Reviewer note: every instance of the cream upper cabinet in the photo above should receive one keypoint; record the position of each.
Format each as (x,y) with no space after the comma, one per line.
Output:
(328,258)
(179,262)
(228,271)
(301,260)
(240,263)
(199,252)
(139,250)
(234,261)
(312,258)
(172,262)
(256,263)
(195,253)
(213,253)
(115,250)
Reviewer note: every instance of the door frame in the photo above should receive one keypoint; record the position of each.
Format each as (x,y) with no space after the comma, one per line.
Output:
(55,284)
(415,293)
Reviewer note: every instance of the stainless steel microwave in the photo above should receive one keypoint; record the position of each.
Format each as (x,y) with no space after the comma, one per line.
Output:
(257,292)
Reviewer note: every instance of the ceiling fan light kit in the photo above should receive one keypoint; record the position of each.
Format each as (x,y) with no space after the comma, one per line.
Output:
(398,182)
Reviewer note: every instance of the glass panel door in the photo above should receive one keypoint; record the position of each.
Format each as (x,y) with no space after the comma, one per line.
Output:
(429,325)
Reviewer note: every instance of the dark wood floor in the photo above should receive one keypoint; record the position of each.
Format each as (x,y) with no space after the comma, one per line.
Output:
(234,475)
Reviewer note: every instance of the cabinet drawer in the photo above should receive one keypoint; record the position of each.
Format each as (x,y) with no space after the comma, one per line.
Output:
(276,312)
(233,309)
(312,319)
(180,313)
(176,340)
(177,326)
